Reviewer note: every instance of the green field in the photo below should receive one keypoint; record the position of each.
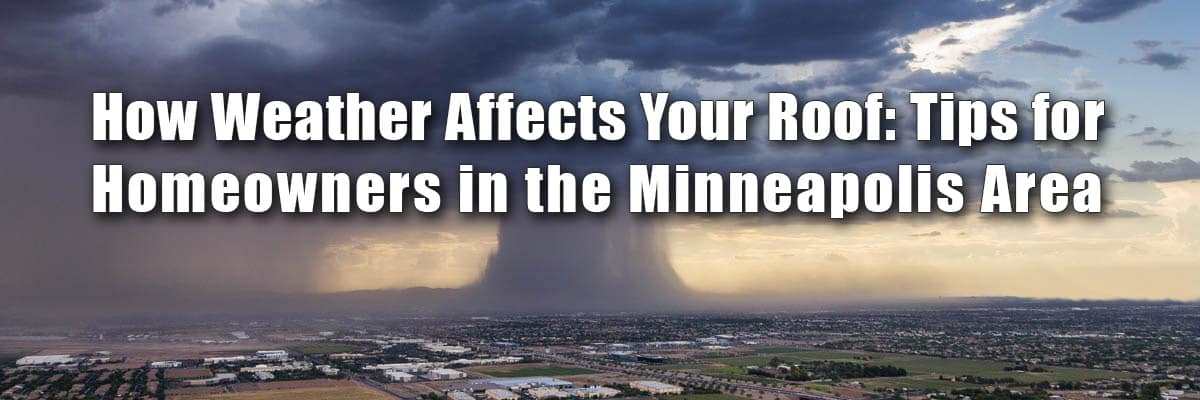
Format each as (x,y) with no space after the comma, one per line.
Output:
(775,350)
(923,371)
(540,370)
(918,382)
(323,348)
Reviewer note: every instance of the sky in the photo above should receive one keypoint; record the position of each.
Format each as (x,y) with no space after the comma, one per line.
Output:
(1138,55)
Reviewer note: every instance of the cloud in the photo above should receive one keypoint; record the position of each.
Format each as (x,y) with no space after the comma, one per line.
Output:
(950,41)
(1123,213)
(713,74)
(1089,11)
(1166,61)
(1147,45)
(1161,143)
(1152,56)
(958,81)
(1043,47)
(719,33)
(42,12)
(1081,83)
(1179,169)
(927,234)
(1152,131)
(171,6)
(544,50)
(836,258)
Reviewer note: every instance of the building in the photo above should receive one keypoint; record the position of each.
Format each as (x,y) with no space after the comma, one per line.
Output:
(542,393)
(656,387)
(264,376)
(442,374)
(397,376)
(346,356)
(166,364)
(457,395)
(594,392)
(271,354)
(290,366)
(622,355)
(44,361)
(216,379)
(526,383)
(651,359)
(224,360)
(328,370)
(406,367)
(444,348)
(501,394)
(487,361)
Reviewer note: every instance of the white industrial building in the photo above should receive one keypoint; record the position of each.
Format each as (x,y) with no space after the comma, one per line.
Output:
(397,376)
(290,366)
(526,383)
(406,367)
(501,394)
(457,395)
(656,387)
(346,356)
(271,354)
(487,361)
(442,374)
(543,393)
(225,360)
(166,364)
(218,378)
(594,392)
(444,348)
(42,361)
(328,370)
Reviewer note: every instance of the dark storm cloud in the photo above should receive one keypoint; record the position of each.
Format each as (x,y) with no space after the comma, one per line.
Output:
(856,76)
(171,6)
(45,12)
(1044,47)
(1088,11)
(51,60)
(1179,169)
(660,34)
(713,74)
